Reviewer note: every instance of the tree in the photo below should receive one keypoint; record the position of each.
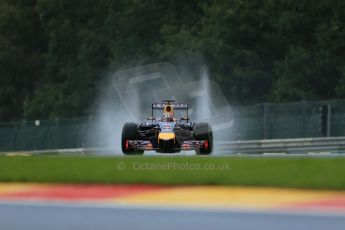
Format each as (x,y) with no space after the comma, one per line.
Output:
(311,66)
(237,48)
(76,59)
(21,46)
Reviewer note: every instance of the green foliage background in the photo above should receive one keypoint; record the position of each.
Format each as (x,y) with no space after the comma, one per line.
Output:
(54,53)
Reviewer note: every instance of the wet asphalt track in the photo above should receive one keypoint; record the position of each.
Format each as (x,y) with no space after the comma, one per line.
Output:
(57,217)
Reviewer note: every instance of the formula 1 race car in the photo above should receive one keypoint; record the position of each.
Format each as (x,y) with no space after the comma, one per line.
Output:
(170,133)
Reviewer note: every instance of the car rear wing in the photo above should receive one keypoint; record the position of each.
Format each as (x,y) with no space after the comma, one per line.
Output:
(176,106)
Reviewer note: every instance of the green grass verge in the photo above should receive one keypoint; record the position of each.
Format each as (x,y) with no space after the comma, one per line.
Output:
(315,173)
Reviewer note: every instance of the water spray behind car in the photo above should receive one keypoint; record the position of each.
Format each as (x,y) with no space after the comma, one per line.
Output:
(128,96)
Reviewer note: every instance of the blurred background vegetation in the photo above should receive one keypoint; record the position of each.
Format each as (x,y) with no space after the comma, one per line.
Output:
(55,53)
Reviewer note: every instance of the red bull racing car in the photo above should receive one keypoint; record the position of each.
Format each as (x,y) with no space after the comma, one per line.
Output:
(169,133)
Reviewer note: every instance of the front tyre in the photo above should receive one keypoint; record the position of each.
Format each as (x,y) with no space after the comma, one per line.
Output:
(203,132)
(130,132)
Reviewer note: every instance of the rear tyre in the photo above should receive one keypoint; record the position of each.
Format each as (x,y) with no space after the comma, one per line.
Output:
(130,132)
(203,132)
